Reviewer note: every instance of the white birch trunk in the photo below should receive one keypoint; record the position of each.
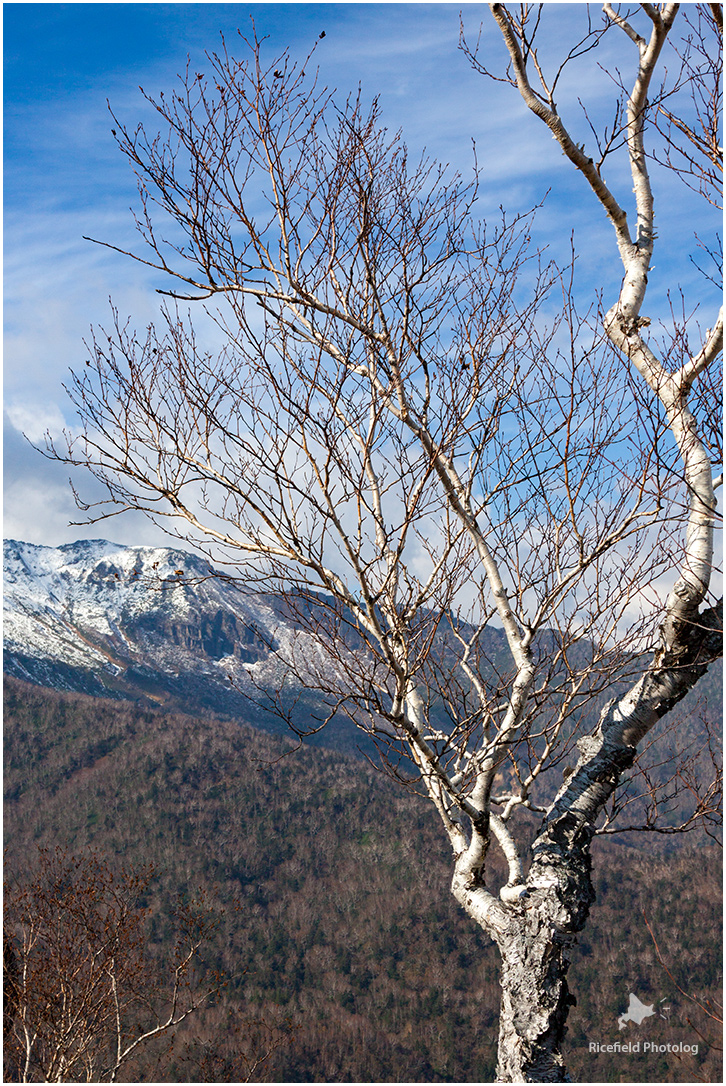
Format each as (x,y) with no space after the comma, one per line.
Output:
(535,930)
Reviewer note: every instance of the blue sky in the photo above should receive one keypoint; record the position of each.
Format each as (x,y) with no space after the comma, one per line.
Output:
(65,178)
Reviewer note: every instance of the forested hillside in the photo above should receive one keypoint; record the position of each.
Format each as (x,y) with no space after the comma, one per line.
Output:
(331,883)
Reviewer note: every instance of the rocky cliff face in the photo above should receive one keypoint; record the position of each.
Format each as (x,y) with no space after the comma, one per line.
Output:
(138,622)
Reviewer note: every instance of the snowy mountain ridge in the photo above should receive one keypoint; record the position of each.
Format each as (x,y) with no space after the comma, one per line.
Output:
(146,622)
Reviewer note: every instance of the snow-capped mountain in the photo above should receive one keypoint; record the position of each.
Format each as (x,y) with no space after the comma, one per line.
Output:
(138,622)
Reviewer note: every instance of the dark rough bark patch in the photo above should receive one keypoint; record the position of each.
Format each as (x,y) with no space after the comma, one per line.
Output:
(535,956)
(688,647)
(536,1000)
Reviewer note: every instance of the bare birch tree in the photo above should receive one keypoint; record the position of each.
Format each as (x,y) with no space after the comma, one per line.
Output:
(497,512)
(81,983)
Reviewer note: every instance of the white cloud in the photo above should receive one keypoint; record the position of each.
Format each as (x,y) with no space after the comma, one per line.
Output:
(34,420)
